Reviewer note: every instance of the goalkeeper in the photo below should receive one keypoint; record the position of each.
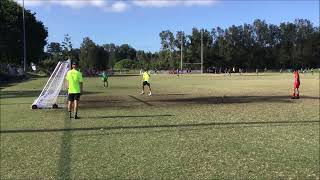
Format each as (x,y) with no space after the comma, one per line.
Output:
(104,78)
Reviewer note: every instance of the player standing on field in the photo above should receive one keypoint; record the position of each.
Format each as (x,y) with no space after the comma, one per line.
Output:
(145,81)
(75,87)
(104,77)
(296,85)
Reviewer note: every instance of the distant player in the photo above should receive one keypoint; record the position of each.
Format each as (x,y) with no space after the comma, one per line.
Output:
(104,78)
(75,87)
(296,85)
(145,81)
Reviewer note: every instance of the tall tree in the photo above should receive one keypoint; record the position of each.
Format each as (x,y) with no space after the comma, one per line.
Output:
(167,46)
(126,52)
(67,47)
(54,48)
(88,53)
(11,34)
(113,51)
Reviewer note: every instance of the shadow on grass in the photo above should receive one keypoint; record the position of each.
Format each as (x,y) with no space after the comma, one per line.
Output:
(140,100)
(8,81)
(8,104)
(64,163)
(131,102)
(19,94)
(214,124)
(28,93)
(170,94)
(231,99)
(145,116)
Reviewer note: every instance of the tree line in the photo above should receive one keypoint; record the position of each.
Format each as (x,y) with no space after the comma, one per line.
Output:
(250,46)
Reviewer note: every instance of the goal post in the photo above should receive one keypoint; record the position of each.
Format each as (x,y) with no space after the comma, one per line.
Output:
(196,68)
(48,97)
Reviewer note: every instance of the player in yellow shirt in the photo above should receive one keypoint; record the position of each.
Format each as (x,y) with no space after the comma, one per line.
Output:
(75,87)
(146,81)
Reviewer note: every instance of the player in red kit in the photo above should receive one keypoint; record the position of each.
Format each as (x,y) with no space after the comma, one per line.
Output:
(295,94)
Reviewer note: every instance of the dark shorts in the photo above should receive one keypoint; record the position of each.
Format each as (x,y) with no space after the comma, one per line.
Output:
(145,83)
(74,96)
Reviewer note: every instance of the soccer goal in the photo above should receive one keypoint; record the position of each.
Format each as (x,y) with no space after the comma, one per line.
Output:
(50,94)
(195,68)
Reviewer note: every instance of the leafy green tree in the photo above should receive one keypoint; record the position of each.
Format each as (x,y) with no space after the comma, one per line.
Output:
(88,54)
(54,48)
(167,46)
(112,51)
(11,34)
(126,52)
(124,64)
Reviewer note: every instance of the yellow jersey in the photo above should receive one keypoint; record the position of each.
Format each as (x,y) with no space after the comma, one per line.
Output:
(74,78)
(146,76)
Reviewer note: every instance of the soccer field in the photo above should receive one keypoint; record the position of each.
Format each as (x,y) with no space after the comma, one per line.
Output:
(192,127)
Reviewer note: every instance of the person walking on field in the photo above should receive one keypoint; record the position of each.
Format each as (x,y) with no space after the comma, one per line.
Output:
(296,85)
(75,88)
(145,81)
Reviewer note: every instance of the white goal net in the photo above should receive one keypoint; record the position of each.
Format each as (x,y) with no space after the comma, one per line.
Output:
(48,98)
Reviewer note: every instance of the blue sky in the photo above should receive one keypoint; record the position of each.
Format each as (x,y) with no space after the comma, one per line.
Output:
(139,22)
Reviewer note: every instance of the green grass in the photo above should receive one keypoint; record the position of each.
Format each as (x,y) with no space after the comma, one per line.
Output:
(193,127)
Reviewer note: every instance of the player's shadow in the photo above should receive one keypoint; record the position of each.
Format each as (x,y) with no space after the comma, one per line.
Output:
(231,99)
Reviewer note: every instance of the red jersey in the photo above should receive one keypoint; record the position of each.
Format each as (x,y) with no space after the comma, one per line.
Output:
(296,77)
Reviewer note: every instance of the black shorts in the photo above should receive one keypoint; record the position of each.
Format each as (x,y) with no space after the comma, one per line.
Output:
(74,96)
(145,83)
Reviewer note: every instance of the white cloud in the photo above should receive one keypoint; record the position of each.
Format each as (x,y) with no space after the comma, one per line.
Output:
(98,3)
(155,3)
(111,5)
(200,2)
(68,3)
(116,5)
(119,6)
(71,3)
(171,3)
(30,2)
